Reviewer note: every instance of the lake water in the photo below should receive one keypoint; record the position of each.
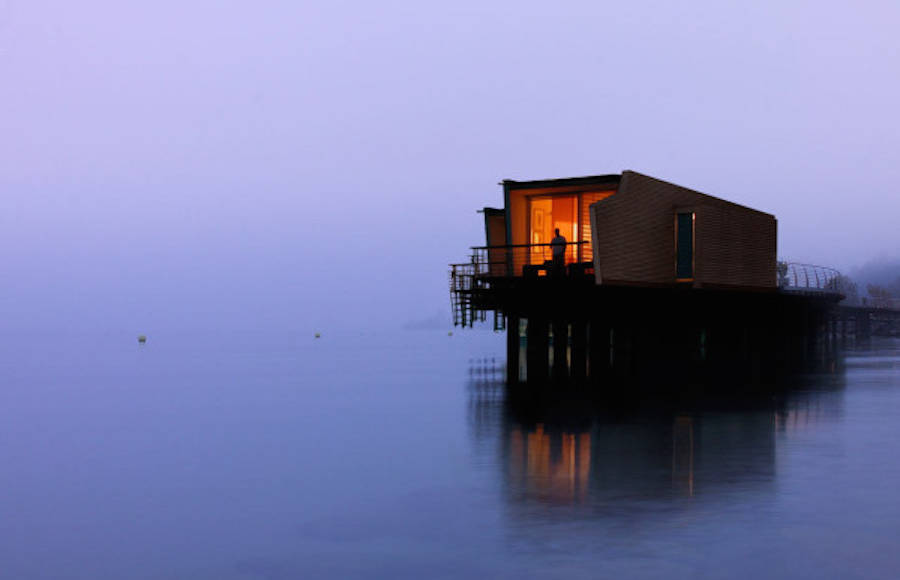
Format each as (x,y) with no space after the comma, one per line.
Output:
(384,455)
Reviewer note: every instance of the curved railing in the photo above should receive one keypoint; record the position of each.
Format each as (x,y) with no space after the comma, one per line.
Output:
(794,277)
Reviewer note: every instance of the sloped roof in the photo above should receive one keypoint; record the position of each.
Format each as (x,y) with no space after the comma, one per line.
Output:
(700,194)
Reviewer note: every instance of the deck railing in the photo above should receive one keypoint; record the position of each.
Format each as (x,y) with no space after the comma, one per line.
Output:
(469,279)
(522,259)
(794,277)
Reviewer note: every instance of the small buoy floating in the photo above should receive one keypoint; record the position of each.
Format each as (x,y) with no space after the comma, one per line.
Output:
(142,339)
(450,333)
(318,335)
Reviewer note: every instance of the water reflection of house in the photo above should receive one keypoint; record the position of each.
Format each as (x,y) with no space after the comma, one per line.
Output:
(554,469)
(570,452)
(661,456)
(802,413)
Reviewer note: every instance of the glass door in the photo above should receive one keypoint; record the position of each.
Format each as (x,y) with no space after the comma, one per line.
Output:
(546,214)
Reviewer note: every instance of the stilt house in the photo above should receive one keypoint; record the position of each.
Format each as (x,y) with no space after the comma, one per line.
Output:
(653,283)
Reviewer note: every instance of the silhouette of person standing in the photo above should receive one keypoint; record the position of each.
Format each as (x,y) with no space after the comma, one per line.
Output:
(558,245)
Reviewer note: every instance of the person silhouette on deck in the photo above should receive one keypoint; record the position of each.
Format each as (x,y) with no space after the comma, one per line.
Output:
(558,246)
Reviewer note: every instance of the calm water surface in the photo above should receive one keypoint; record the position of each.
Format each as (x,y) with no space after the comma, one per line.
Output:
(393,455)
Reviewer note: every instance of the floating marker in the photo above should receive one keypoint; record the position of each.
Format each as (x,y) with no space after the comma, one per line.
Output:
(450,333)
(142,339)
(318,335)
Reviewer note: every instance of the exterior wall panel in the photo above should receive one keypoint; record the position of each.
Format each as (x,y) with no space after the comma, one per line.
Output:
(634,237)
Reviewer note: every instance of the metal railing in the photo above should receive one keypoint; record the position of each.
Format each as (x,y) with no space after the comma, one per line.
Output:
(468,280)
(794,277)
(464,285)
(525,259)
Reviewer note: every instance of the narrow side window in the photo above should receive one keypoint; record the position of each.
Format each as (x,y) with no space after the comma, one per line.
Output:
(684,246)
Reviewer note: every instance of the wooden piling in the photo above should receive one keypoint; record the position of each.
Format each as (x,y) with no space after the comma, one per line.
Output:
(512,349)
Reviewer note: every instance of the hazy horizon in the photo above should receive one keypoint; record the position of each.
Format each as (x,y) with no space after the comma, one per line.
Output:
(317,165)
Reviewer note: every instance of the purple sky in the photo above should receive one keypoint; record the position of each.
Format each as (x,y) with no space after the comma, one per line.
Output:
(304,165)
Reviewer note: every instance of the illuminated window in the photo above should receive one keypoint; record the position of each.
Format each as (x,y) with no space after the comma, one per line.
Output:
(546,215)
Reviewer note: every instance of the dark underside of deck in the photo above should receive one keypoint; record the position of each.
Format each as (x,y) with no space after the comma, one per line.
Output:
(581,299)
(575,332)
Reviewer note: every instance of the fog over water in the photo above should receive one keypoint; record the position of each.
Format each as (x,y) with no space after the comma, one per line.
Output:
(276,456)
(309,165)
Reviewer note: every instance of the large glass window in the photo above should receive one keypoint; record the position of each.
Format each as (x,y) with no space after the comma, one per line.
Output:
(546,215)
(534,215)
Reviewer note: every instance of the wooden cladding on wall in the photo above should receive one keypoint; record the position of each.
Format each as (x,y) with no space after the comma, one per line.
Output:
(587,199)
(634,237)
